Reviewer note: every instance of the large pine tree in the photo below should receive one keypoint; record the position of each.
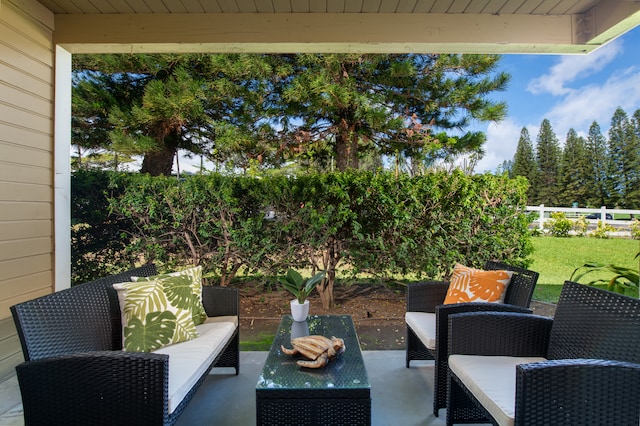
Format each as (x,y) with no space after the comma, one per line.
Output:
(597,158)
(624,164)
(524,163)
(574,171)
(548,160)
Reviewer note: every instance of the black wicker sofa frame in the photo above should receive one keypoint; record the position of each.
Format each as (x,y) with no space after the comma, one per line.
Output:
(589,372)
(429,296)
(75,371)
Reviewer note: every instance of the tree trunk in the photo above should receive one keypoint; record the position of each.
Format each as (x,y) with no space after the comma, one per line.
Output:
(347,146)
(158,162)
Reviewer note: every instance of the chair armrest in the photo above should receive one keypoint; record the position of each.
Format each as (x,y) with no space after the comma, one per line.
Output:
(89,387)
(425,296)
(443,312)
(499,333)
(220,301)
(577,391)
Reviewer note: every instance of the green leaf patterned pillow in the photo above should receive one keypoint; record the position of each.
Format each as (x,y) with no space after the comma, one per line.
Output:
(154,314)
(190,295)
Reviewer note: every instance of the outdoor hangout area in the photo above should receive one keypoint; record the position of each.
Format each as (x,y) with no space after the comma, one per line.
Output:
(117,351)
(319,212)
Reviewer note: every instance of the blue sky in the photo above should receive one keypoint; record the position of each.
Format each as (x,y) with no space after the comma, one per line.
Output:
(570,90)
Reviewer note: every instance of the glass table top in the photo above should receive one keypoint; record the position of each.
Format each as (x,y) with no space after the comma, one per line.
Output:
(347,371)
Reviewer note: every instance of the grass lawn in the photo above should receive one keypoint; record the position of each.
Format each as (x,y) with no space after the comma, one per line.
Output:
(556,258)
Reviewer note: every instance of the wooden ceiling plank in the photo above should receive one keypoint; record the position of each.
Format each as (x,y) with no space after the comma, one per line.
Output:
(121,6)
(335,6)
(281,6)
(388,6)
(317,6)
(371,6)
(406,6)
(264,6)
(228,6)
(353,6)
(193,6)
(424,6)
(510,7)
(441,6)
(492,7)
(139,6)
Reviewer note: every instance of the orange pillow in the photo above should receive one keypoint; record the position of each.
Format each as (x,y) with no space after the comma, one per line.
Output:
(475,285)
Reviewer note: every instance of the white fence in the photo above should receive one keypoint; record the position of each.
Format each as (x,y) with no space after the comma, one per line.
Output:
(604,214)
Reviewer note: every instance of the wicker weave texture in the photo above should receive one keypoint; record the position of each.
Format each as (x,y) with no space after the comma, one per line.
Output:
(593,367)
(429,296)
(75,372)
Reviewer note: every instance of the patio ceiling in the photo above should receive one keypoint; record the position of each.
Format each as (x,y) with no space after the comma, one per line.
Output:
(376,26)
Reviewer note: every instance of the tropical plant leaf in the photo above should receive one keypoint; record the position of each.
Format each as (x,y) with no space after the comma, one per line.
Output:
(179,291)
(145,297)
(156,331)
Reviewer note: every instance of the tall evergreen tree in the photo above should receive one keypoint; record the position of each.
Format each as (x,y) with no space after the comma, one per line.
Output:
(597,158)
(574,171)
(391,103)
(154,105)
(624,165)
(524,163)
(548,160)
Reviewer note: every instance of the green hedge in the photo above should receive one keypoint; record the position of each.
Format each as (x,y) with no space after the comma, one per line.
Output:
(355,222)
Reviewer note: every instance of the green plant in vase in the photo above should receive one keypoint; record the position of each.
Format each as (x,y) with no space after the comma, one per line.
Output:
(300,288)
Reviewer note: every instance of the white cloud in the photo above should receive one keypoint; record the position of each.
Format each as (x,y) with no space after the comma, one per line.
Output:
(581,107)
(502,141)
(569,68)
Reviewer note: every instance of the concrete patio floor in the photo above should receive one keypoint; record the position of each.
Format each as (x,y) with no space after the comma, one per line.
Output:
(399,395)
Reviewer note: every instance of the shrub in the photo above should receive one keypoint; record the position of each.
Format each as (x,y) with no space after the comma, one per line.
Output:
(635,229)
(602,230)
(559,225)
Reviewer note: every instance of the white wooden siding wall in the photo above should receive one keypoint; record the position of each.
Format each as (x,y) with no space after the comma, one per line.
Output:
(26,162)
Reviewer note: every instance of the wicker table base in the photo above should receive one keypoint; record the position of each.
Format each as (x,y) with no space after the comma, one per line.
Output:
(339,393)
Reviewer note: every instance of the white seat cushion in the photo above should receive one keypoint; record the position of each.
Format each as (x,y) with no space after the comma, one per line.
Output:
(424,325)
(189,360)
(492,380)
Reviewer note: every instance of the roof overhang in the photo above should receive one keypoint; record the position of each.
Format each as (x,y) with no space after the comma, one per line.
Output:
(346,32)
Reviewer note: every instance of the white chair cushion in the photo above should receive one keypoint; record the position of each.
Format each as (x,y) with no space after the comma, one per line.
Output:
(492,380)
(424,325)
(189,360)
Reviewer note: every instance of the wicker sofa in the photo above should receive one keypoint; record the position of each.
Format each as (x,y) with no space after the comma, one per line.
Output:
(427,322)
(580,368)
(76,373)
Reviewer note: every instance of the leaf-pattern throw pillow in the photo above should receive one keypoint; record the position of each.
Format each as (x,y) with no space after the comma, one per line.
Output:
(154,314)
(190,280)
(475,285)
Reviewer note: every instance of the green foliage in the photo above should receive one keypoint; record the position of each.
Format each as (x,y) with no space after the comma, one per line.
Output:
(621,279)
(635,229)
(581,226)
(363,222)
(298,286)
(602,230)
(559,225)
(98,239)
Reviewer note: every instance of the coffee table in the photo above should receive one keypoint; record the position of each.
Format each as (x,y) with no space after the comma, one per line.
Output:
(339,393)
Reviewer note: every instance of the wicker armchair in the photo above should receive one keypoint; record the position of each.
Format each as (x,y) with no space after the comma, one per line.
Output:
(75,372)
(429,296)
(589,373)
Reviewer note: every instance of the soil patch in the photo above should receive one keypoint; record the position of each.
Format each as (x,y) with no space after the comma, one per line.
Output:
(377,312)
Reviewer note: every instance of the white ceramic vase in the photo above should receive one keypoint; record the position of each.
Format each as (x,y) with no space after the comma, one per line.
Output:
(299,312)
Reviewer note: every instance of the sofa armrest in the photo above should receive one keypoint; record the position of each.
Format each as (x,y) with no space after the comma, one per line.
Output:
(221,301)
(499,333)
(87,388)
(425,296)
(577,391)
